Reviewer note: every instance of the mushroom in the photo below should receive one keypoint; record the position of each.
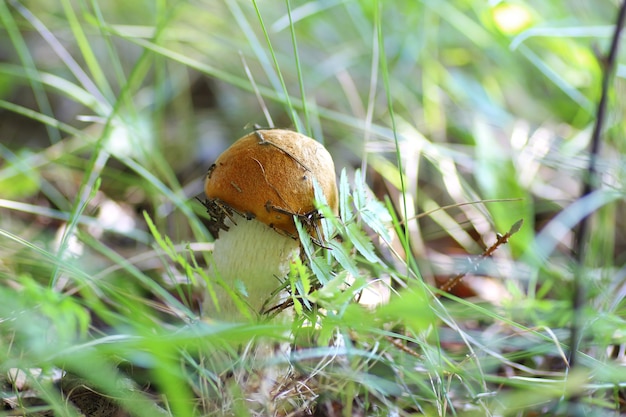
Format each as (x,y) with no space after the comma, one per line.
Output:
(254,190)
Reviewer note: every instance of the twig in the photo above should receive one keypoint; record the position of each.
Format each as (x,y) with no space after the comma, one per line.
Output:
(502,239)
(591,183)
(451,283)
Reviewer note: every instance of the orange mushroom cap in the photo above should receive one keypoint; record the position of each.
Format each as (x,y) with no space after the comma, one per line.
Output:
(268,175)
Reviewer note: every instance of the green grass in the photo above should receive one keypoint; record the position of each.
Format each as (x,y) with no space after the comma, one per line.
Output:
(112,112)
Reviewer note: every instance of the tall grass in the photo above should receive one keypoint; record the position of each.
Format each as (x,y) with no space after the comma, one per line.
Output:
(448,124)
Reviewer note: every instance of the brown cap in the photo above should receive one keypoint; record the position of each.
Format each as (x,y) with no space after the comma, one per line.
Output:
(268,175)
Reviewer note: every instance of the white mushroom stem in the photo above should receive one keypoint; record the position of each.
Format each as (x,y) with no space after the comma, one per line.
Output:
(250,255)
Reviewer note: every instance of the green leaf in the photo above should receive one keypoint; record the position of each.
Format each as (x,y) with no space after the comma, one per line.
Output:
(345,212)
(305,238)
(339,252)
(330,291)
(358,193)
(321,269)
(375,215)
(328,216)
(163,243)
(411,308)
(361,242)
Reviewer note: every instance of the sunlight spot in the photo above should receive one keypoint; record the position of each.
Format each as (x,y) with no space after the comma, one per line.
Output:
(511,18)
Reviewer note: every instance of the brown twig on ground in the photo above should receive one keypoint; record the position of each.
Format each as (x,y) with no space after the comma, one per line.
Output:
(451,283)
(502,239)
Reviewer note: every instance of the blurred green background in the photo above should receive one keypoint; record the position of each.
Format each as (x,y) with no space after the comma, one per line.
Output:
(109,109)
